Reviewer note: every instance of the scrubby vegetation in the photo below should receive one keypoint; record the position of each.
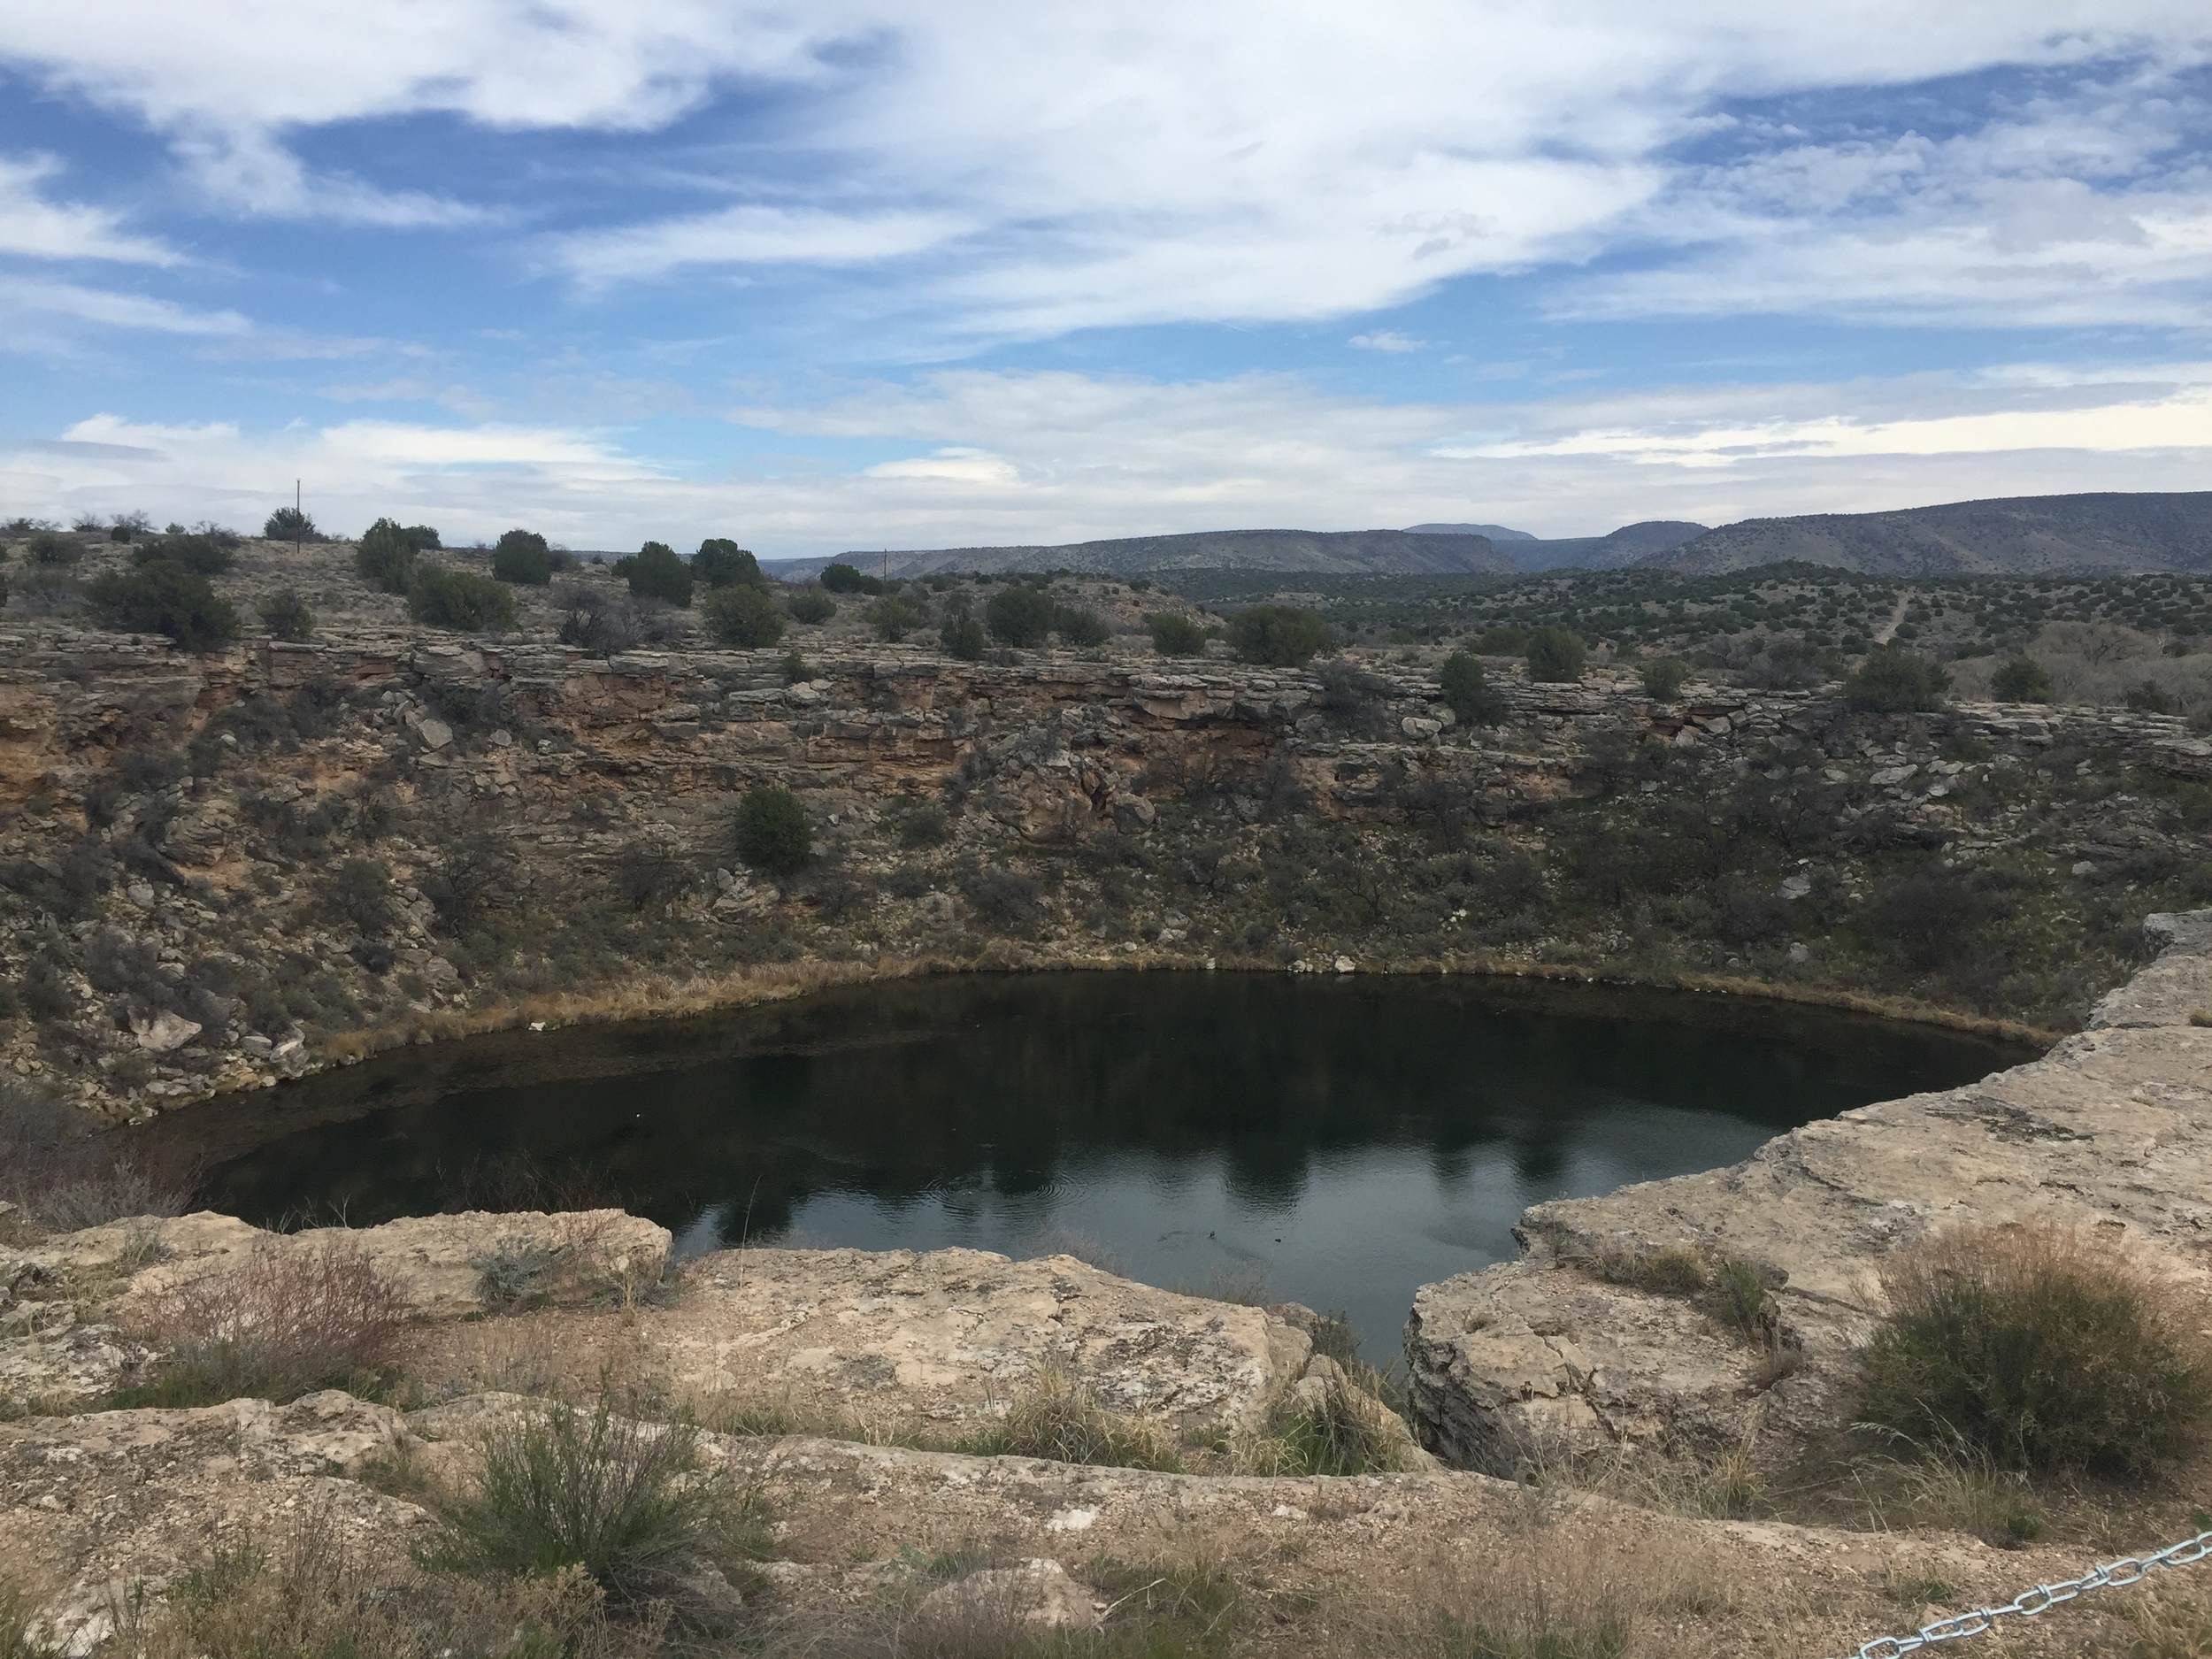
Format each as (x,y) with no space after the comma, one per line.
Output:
(2040,1348)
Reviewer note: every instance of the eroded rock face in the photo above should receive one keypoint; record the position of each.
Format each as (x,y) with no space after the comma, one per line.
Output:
(115,1505)
(444,1267)
(952,1336)
(2112,1129)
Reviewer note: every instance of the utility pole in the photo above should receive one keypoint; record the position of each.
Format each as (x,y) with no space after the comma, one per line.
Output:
(299,522)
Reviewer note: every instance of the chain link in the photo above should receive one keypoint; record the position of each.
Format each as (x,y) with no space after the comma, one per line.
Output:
(2028,1603)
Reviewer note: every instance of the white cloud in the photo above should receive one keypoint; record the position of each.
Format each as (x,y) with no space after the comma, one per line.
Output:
(1253,158)
(30,303)
(1385,339)
(750,235)
(1059,456)
(34,226)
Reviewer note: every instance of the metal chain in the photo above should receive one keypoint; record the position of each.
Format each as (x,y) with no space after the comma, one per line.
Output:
(2128,1570)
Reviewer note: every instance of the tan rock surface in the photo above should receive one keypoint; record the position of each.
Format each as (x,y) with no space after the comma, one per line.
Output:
(2112,1129)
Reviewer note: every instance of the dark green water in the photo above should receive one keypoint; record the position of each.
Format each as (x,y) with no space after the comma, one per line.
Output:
(1341,1141)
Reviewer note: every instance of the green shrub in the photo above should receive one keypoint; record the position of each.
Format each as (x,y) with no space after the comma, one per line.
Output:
(720,562)
(894,616)
(290,523)
(1176,633)
(962,638)
(202,555)
(1556,656)
(385,556)
(654,572)
(629,1503)
(163,598)
(1021,616)
(1890,681)
(1502,640)
(841,578)
(1282,636)
(1664,678)
(1467,691)
(446,598)
(422,538)
(359,891)
(742,615)
(2150,697)
(522,557)
(772,832)
(2040,1348)
(1079,627)
(812,606)
(2021,680)
(284,614)
(53,552)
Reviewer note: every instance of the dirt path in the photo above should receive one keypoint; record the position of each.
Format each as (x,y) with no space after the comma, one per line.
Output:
(1883,634)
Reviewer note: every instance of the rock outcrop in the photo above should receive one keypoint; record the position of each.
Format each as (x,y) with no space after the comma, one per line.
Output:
(1590,1342)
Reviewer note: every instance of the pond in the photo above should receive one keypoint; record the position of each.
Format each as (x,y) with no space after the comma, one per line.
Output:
(1333,1141)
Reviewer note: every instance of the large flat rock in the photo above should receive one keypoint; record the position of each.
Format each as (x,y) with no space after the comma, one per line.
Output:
(2112,1130)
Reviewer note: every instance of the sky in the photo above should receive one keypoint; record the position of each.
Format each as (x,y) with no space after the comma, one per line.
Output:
(852,275)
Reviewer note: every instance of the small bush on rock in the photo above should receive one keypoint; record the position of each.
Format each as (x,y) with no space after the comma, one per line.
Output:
(1467,691)
(2021,680)
(742,615)
(1059,1420)
(1176,633)
(1022,615)
(444,597)
(1893,681)
(2040,1348)
(1281,636)
(773,834)
(893,617)
(654,572)
(522,557)
(812,606)
(385,556)
(962,638)
(290,523)
(1664,678)
(720,562)
(1556,656)
(284,614)
(163,598)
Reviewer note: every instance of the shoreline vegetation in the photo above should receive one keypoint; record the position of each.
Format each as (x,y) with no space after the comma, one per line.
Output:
(750,986)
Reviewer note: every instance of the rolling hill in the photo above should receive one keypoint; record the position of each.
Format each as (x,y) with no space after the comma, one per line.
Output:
(1630,544)
(2021,535)
(1329,552)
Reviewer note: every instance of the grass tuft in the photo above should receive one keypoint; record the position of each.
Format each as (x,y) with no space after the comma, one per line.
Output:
(627,1502)
(1060,1419)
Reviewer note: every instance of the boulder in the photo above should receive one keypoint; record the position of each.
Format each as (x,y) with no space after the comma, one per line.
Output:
(950,1337)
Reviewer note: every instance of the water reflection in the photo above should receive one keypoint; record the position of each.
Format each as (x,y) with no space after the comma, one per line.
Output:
(1348,1140)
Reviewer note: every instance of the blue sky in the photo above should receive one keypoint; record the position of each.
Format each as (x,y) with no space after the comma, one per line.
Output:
(856,275)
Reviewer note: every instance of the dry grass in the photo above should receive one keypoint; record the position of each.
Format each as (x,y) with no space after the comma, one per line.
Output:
(2098,663)
(1058,1418)
(286,1322)
(305,1595)
(2038,1347)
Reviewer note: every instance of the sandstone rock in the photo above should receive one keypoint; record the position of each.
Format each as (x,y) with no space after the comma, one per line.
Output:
(164,1032)
(2112,1128)
(950,1337)
(115,1505)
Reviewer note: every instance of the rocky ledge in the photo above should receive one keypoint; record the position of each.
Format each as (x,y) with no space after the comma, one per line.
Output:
(1604,1336)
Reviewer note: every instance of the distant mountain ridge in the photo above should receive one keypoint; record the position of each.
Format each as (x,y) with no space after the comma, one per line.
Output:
(1323,552)
(2017,534)
(1630,544)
